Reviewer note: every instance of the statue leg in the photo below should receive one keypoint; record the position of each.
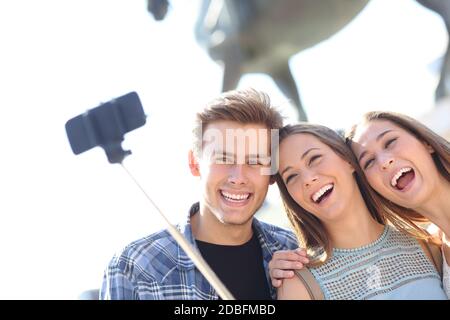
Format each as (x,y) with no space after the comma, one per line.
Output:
(285,81)
(231,69)
(231,76)
(443,88)
(442,7)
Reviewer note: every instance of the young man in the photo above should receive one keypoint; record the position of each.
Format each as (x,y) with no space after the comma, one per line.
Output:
(230,156)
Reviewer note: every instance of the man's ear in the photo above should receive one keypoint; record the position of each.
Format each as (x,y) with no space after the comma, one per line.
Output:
(193,164)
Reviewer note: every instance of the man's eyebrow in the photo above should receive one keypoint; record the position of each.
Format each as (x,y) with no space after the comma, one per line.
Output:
(381,135)
(249,156)
(257,156)
(223,153)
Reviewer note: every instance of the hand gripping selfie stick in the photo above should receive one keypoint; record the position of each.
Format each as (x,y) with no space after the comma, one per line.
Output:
(105,126)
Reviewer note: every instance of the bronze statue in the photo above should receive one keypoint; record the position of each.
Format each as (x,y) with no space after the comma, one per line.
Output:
(246,37)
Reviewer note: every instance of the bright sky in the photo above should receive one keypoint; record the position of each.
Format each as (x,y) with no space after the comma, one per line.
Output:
(63,216)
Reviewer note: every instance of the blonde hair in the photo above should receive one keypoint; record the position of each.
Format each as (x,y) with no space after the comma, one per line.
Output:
(309,229)
(246,106)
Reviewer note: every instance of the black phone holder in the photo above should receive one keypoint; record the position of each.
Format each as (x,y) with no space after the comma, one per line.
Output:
(106,125)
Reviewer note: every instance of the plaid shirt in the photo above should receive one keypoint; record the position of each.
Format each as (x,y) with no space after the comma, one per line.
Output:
(155,267)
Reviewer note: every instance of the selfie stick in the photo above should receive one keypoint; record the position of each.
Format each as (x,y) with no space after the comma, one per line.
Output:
(105,126)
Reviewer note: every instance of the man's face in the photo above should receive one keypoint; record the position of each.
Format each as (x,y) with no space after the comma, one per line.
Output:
(230,169)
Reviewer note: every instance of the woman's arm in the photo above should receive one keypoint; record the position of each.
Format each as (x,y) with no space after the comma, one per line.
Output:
(293,289)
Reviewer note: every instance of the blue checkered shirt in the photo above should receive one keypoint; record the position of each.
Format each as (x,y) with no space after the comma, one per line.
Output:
(155,267)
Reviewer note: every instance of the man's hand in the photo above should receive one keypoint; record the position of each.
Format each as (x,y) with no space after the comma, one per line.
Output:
(284,262)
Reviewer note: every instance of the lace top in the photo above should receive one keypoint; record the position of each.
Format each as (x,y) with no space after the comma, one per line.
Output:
(392,267)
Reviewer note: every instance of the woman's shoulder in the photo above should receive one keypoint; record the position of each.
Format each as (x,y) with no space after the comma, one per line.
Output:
(293,289)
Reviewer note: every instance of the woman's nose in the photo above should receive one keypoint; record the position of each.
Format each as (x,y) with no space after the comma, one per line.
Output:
(387,163)
(310,181)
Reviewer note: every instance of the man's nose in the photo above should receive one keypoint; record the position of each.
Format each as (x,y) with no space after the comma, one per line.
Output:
(237,174)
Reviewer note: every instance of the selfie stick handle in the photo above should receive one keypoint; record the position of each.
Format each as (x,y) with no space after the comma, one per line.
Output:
(198,260)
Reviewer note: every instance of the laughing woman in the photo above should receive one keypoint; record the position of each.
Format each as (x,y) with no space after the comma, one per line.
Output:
(355,253)
(408,164)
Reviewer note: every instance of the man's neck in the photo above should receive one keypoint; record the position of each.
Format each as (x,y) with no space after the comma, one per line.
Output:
(207,228)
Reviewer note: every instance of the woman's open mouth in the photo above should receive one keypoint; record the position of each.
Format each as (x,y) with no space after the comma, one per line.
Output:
(323,193)
(403,178)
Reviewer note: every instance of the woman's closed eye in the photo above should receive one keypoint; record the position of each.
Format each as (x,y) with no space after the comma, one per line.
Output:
(314,159)
(290,177)
(389,143)
(368,163)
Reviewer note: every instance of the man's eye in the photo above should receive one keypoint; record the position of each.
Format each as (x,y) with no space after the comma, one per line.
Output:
(259,161)
(389,142)
(264,161)
(223,160)
(368,163)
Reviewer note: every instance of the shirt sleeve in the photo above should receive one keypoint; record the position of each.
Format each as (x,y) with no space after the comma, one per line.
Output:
(117,285)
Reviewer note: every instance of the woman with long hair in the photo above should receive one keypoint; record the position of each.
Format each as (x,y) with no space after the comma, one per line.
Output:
(409,165)
(359,247)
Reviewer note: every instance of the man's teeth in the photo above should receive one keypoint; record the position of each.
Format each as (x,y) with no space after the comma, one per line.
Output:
(398,175)
(236,197)
(316,196)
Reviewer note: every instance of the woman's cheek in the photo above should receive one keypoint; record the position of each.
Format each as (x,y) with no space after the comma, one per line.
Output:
(373,182)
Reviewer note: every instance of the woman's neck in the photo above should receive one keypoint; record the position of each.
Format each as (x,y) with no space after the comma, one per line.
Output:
(437,207)
(358,228)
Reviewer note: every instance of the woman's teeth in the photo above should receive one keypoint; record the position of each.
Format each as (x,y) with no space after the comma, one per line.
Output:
(397,176)
(235,197)
(317,196)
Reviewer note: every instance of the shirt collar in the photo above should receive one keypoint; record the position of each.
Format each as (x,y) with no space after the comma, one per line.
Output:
(186,229)
(268,243)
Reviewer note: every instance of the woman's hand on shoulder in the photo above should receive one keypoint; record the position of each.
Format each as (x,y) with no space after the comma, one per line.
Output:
(283,264)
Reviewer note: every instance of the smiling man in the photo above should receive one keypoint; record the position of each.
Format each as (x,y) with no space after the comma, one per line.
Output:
(231,156)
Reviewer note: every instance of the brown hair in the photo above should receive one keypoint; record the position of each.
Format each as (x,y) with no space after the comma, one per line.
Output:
(242,106)
(309,229)
(441,156)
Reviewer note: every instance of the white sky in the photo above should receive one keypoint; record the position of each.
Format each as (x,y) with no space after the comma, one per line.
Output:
(62,216)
